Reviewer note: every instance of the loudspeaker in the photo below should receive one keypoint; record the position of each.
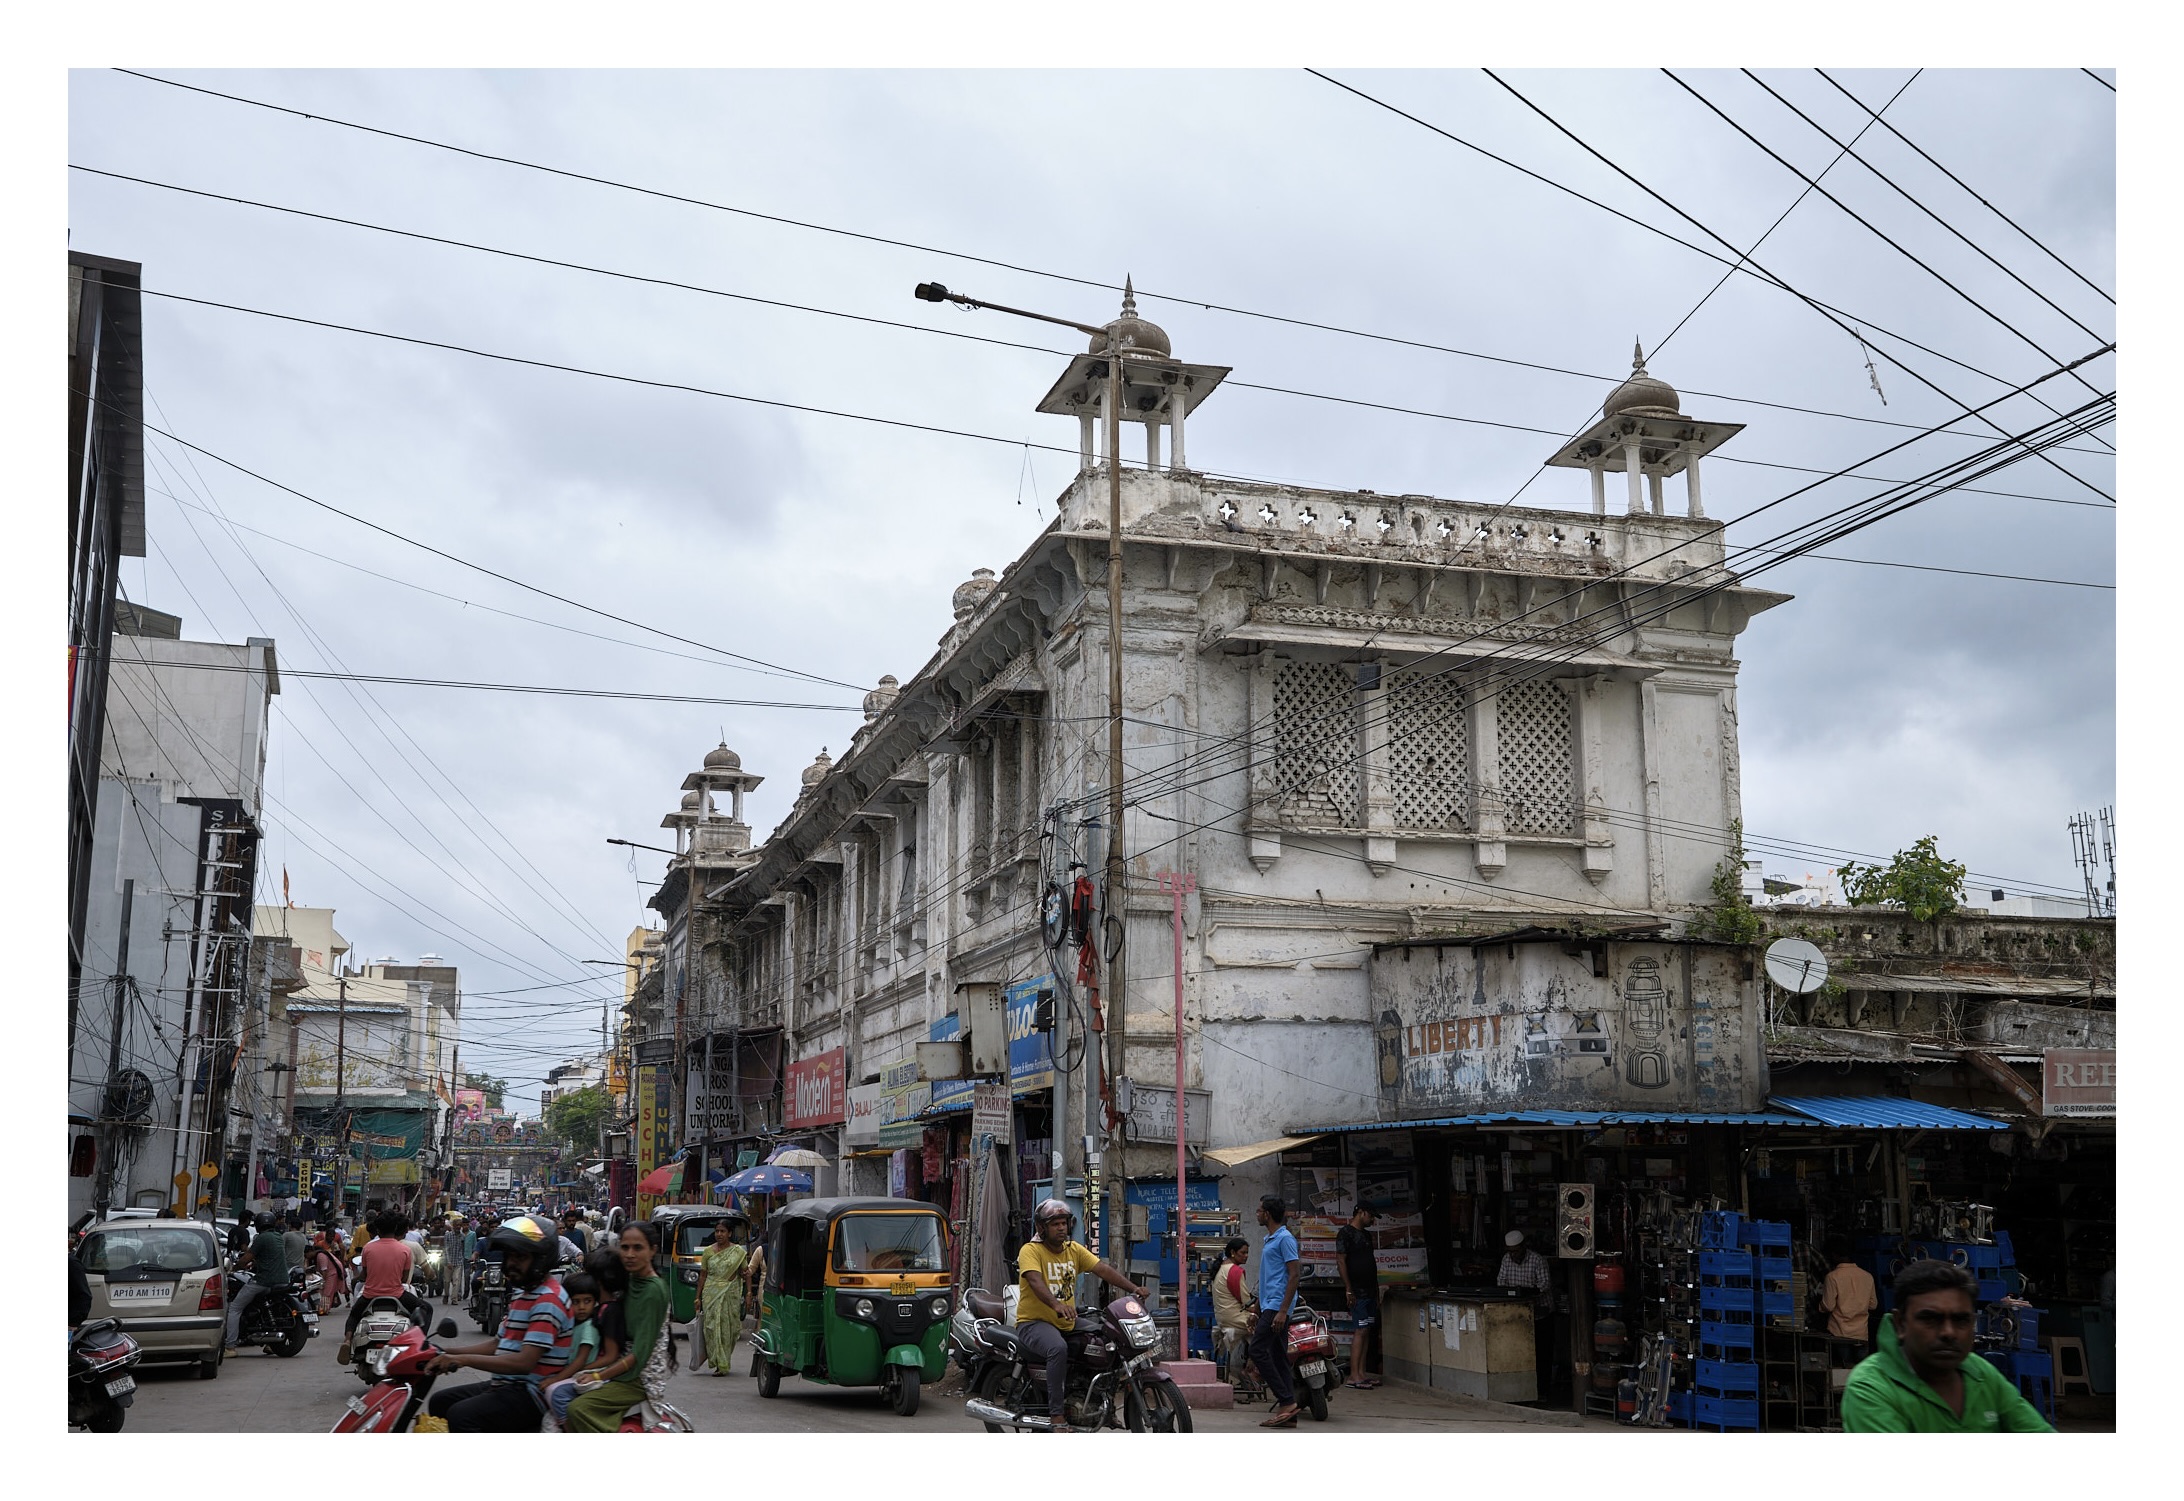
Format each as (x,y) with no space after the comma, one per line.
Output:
(1574,1220)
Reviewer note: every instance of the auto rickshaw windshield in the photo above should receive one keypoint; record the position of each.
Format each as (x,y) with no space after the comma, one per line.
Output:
(889,1243)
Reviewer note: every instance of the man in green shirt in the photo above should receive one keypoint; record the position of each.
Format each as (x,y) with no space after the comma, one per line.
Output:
(1925,1378)
(267,1260)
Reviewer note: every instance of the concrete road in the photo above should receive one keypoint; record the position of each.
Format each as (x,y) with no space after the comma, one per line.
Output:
(261,1393)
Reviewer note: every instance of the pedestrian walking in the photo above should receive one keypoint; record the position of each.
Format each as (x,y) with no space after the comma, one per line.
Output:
(1278,1281)
(722,1293)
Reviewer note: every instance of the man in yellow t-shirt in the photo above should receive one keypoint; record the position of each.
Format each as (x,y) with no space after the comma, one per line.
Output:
(1046,1309)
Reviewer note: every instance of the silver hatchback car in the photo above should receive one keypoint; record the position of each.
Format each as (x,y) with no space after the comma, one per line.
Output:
(162,1280)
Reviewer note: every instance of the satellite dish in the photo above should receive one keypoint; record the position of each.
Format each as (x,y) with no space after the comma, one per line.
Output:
(1796,965)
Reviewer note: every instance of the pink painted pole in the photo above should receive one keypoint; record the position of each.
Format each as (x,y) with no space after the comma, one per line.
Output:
(1178,885)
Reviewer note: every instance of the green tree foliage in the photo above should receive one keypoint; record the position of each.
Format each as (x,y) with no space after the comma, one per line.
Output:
(493,1089)
(1918,880)
(1729,918)
(575,1118)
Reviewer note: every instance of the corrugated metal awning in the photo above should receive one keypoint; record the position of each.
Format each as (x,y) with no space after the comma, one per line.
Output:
(1886,1112)
(1572,1120)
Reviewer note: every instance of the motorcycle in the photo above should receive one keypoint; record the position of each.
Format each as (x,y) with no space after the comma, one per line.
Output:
(100,1388)
(1313,1369)
(282,1319)
(405,1379)
(383,1321)
(488,1297)
(1115,1365)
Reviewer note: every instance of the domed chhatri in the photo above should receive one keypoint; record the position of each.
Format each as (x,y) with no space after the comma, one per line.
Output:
(816,773)
(723,759)
(1644,395)
(876,702)
(972,592)
(697,804)
(1132,334)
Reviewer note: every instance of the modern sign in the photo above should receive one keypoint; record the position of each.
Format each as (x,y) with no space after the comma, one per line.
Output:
(816,1092)
(2078,1081)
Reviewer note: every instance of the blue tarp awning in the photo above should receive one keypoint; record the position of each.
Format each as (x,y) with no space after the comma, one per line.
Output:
(1884,1112)
(1571,1120)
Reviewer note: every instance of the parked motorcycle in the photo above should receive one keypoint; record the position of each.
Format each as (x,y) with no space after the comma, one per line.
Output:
(282,1319)
(1113,1366)
(100,1388)
(1313,1369)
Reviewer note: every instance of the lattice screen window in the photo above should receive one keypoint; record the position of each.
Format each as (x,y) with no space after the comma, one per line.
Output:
(1316,775)
(1536,756)
(1429,749)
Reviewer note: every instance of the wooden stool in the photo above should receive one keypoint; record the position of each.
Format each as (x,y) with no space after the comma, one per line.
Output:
(2073,1373)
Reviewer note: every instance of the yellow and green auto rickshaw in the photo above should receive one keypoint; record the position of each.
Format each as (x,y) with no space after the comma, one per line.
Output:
(856,1293)
(684,1231)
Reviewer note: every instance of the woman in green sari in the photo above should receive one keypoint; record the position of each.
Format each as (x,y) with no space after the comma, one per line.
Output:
(599,1409)
(722,1292)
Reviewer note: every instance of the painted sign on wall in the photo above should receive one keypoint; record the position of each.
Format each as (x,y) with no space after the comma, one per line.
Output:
(1551,1023)
(816,1092)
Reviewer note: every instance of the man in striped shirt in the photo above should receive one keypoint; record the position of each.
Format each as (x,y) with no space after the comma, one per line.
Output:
(534,1341)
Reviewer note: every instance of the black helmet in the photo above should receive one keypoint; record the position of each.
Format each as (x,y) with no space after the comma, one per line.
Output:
(265,1222)
(530,1236)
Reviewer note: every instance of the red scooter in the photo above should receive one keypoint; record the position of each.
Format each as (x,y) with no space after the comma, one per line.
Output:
(395,1400)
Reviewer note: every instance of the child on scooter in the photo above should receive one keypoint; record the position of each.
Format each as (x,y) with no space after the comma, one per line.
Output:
(584,1344)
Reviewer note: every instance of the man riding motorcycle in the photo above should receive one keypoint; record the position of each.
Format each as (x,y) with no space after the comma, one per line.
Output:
(267,1261)
(533,1346)
(1045,1308)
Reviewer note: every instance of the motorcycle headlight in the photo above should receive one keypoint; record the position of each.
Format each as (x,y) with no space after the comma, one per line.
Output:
(864,1308)
(432,1258)
(1143,1332)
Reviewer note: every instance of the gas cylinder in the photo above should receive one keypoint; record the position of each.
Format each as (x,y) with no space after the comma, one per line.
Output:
(1607,1279)
(1608,1337)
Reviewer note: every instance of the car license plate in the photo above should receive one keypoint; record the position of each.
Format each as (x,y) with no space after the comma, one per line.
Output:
(1313,1368)
(140,1292)
(121,1386)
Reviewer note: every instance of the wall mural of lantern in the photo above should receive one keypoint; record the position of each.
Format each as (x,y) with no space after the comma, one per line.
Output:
(1388,1045)
(1645,1019)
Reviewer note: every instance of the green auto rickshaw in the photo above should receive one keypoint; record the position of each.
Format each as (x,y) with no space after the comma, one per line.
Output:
(856,1293)
(684,1231)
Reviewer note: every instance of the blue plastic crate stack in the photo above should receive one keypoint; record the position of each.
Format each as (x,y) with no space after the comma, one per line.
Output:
(1994,1266)
(1744,1281)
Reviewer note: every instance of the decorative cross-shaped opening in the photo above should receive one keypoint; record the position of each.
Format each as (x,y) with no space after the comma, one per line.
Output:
(1308,516)
(1444,526)
(1266,512)
(1384,523)
(1227,509)
(1349,521)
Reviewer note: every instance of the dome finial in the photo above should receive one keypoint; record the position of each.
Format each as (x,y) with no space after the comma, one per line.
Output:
(1637,357)
(1129,298)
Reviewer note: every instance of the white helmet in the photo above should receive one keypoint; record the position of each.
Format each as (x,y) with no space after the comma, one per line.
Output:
(1053,1209)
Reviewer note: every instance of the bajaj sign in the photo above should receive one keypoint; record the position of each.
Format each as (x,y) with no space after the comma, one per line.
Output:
(2078,1081)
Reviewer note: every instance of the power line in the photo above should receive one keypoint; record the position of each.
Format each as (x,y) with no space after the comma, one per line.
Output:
(1178,298)
(1833,315)
(922,328)
(1967,187)
(2104,83)
(1877,232)
(487,687)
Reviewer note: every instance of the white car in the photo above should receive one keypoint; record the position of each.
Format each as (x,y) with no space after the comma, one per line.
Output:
(162,1280)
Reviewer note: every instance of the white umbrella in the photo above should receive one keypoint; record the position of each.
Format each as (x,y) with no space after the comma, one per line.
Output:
(800,1157)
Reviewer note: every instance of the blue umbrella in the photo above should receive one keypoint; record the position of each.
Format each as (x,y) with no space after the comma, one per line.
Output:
(766,1179)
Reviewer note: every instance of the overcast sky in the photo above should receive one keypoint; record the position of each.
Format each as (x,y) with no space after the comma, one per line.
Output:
(1881,705)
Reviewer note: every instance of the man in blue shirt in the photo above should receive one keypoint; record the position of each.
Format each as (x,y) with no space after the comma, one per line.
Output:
(1279,1275)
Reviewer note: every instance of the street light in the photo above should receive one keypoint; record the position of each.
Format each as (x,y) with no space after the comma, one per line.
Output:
(633,844)
(1108,344)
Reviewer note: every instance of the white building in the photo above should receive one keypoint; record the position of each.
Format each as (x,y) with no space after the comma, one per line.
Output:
(154,1088)
(1354,720)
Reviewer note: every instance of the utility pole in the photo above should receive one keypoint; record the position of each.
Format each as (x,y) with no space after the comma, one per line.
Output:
(105,1194)
(341,1088)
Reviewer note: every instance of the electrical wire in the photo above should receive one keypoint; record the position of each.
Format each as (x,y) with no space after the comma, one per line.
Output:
(928,329)
(2104,83)
(1967,187)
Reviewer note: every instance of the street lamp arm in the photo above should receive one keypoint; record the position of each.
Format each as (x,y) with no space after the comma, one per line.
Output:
(656,849)
(933,291)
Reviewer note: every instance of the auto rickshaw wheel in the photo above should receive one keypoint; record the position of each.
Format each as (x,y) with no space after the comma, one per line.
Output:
(903,1391)
(769,1378)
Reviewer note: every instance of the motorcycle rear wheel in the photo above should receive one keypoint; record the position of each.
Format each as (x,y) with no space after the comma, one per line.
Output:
(106,1415)
(990,1389)
(1161,1408)
(1316,1399)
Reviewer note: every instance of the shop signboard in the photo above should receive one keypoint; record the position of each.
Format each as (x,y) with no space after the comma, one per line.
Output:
(2078,1082)
(903,1098)
(1031,1057)
(815,1094)
(1152,1114)
(650,1101)
(862,1129)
